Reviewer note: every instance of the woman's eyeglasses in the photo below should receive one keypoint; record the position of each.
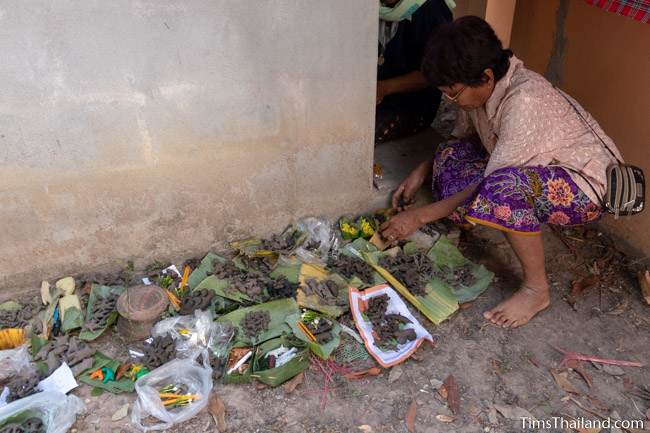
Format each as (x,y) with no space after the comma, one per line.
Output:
(455,97)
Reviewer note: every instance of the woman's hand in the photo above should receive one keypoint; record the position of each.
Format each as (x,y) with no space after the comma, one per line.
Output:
(382,91)
(405,192)
(401,225)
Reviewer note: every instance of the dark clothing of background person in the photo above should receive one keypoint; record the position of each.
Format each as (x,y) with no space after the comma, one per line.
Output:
(403,114)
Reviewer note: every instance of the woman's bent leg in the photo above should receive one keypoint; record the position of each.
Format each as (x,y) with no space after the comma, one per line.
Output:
(517,201)
(533,296)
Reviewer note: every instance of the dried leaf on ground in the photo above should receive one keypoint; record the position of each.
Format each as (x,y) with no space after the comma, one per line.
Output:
(445,418)
(562,379)
(453,394)
(579,286)
(595,360)
(492,416)
(580,369)
(410,416)
(355,375)
(218,411)
(365,428)
(620,308)
(395,373)
(513,412)
(597,403)
(612,370)
(121,413)
(292,384)
(644,282)
(533,361)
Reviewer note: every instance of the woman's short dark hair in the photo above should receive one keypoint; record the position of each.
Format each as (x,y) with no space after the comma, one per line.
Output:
(460,51)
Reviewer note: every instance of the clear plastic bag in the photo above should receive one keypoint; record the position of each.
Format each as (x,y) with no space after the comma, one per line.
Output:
(14,362)
(320,240)
(195,333)
(186,373)
(57,411)
(189,332)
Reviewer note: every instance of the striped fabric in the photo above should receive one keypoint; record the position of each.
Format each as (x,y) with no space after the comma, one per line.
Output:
(636,9)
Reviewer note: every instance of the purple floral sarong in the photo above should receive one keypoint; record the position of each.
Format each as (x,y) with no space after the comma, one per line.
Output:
(512,199)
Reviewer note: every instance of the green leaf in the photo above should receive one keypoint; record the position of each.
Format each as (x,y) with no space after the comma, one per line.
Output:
(290,272)
(21,417)
(278,310)
(357,247)
(116,387)
(37,344)
(98,291)
(10,306)
(73,319)
(219,286)
(438,303)
(201,273)
(445,255)
(410,248)
(277,376)
(322,351)
(96,392)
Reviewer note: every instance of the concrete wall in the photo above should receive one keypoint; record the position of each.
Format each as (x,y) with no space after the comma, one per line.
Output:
(470,7)
(603,60)
(161,128)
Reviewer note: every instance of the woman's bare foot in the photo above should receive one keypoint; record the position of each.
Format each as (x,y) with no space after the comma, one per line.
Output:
(518,309)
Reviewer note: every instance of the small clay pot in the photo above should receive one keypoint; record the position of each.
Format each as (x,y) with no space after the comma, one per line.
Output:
(140,307)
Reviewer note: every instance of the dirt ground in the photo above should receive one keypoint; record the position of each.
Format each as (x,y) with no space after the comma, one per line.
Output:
(491,365)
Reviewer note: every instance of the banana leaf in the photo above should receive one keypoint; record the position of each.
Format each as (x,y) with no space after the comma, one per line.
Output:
(37,343)
(219,287)
(356,249)
(73,319)
(10,306)
(116,387)
(278,310)
(277,376)
(438,304)
(21,417)
(290,271)
(445,255)
(323,351)
(314,302)
(252,247)
(247,247)
(202,271)
(222,305)
(236,378)
(98,291)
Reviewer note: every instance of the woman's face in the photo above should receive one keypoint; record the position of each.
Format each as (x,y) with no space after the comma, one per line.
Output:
(470,97)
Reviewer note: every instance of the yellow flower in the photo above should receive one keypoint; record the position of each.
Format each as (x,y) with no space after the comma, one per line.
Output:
(349,231)
(559,192)
(366,228)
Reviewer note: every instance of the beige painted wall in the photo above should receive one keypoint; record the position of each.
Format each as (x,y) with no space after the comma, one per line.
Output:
(605,66)
(500,15)
(161,129)
(470,7)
